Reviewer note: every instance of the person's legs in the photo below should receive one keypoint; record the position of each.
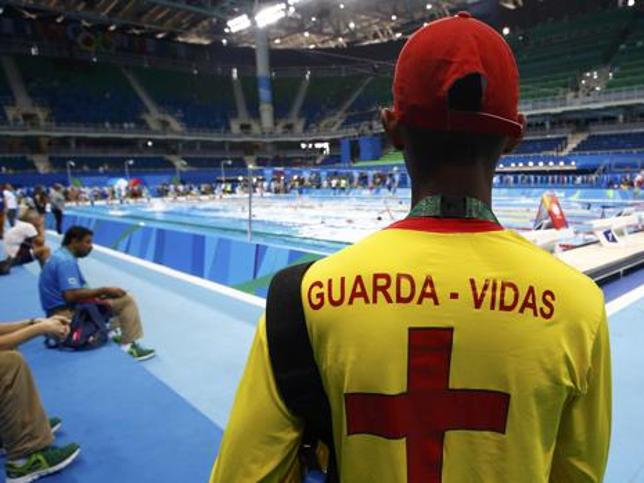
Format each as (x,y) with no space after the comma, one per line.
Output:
(129,319)
(24,427)
(58,215)
(11,216)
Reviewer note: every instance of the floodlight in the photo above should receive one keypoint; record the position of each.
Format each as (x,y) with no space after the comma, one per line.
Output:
(238,24)
(270,15)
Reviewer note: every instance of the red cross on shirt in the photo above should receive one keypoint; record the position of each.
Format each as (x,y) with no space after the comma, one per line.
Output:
(429,408)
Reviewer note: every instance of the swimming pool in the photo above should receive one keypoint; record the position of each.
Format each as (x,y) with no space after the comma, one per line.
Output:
(326,223)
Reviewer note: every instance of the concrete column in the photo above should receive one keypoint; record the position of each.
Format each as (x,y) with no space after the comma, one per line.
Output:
(264,81)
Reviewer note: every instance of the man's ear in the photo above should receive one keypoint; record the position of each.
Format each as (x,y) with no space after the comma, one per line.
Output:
(391,124)
(512,143)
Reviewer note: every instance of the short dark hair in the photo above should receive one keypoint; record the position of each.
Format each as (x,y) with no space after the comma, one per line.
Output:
(75,233)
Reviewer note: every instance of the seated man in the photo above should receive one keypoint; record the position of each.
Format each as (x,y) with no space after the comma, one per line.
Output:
(26,434)
(24,244)
(62,286)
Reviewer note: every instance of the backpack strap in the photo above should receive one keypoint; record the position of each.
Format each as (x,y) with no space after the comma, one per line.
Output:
(296,374)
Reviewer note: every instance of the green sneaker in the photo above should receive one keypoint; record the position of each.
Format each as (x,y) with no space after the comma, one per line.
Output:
(41,463)
(54,423)
(140,353)
(117,339)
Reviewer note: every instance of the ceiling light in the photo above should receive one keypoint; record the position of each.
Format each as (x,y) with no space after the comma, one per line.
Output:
(307,35)
(270,15)
(313,19)
(631,3)
(224,42)
(59,19)
(398,35)
(341,6)
(278,41)
(111,28)
(506,31)
(238,24)
(394,17)
(311,46)
(352,25)
(428,6)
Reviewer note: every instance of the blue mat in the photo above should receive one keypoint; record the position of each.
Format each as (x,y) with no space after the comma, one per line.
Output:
(131,427)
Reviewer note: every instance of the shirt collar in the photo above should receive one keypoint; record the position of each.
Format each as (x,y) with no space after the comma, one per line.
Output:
(448,206)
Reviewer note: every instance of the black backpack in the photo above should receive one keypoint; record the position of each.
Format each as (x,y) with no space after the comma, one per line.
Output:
(296,374)
(88,329)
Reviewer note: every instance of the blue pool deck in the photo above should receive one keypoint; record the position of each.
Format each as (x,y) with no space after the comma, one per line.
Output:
(161,420)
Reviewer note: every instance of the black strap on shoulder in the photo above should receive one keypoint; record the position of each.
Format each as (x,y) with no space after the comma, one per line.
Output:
(296,374)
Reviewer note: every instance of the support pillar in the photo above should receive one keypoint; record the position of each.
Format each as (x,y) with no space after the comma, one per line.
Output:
(264,81)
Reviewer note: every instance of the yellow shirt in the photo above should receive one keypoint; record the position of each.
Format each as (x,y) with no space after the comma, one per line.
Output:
(451,351)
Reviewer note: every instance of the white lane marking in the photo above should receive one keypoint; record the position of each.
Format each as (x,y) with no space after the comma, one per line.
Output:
(201,282)
(625,300)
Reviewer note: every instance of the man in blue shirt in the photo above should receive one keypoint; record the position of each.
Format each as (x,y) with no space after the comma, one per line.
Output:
(62,286)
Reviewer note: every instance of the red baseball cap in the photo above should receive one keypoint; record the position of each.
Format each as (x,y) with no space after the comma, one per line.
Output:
(447,50)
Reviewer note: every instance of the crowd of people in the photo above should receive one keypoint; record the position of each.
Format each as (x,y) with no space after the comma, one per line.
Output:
(26,434)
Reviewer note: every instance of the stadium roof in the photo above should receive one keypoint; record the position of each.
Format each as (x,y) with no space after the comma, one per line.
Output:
(289,23)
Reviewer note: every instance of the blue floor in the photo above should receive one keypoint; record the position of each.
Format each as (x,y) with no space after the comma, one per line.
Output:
(132,427)
(160,421)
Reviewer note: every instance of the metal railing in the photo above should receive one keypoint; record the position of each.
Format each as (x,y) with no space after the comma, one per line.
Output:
(627,95)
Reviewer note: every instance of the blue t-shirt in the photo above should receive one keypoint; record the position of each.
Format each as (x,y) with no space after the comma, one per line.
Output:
(60,273)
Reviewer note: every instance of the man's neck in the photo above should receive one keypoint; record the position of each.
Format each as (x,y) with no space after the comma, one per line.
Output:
(70,251)
(473,184)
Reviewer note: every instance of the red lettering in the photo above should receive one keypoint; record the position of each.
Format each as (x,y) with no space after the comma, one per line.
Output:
(381,284)
(493,295)
(316,301)
(428,292)
(547,299)
(340,299)
(358,291)
(504,306)
(479,297)
(405,299)
(529,301)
